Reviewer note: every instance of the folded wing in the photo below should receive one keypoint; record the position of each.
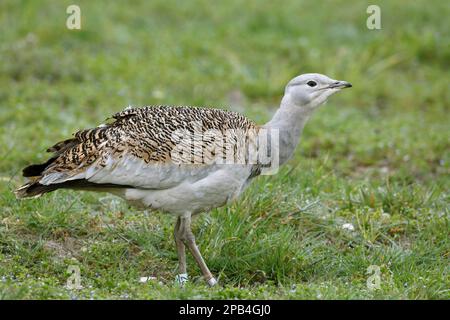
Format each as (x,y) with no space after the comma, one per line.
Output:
(135,149)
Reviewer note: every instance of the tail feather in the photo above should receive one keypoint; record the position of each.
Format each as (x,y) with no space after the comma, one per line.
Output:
(42,182)
(35,170)
(33,190)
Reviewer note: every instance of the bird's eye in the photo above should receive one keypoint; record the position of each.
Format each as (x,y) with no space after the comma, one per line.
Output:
(311,83)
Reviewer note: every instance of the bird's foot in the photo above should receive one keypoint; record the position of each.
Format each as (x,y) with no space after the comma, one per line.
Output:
(181,279)
(212,282)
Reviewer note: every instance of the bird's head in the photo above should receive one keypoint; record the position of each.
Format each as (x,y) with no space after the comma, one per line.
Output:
(310,90)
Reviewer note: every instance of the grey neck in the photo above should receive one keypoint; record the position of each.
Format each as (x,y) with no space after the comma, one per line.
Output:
(289,120)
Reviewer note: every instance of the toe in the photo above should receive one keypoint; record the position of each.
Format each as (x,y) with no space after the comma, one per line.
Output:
(181,278)
(212,282)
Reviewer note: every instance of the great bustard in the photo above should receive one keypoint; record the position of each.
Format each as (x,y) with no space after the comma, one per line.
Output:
(152,157)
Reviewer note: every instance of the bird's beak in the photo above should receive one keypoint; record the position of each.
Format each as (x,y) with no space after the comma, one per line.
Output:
(340,85)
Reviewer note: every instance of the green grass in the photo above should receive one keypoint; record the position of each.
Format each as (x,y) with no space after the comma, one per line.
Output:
(376,156)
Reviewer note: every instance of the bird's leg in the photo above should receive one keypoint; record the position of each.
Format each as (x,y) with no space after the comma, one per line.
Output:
(189,240)
(182,276)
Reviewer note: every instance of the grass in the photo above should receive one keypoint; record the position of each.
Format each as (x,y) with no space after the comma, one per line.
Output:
(376,156)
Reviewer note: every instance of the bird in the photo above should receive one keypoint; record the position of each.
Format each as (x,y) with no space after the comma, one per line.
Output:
(180,160)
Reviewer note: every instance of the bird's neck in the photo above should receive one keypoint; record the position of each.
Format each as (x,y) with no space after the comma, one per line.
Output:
(289,121)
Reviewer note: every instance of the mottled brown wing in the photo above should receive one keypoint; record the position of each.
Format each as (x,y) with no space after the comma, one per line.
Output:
(136,148)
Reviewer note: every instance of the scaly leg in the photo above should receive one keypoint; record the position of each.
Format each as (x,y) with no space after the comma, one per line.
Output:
(187,237)
(182,276)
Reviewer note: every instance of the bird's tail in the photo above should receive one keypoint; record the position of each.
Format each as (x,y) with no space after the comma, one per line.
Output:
(32,189)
